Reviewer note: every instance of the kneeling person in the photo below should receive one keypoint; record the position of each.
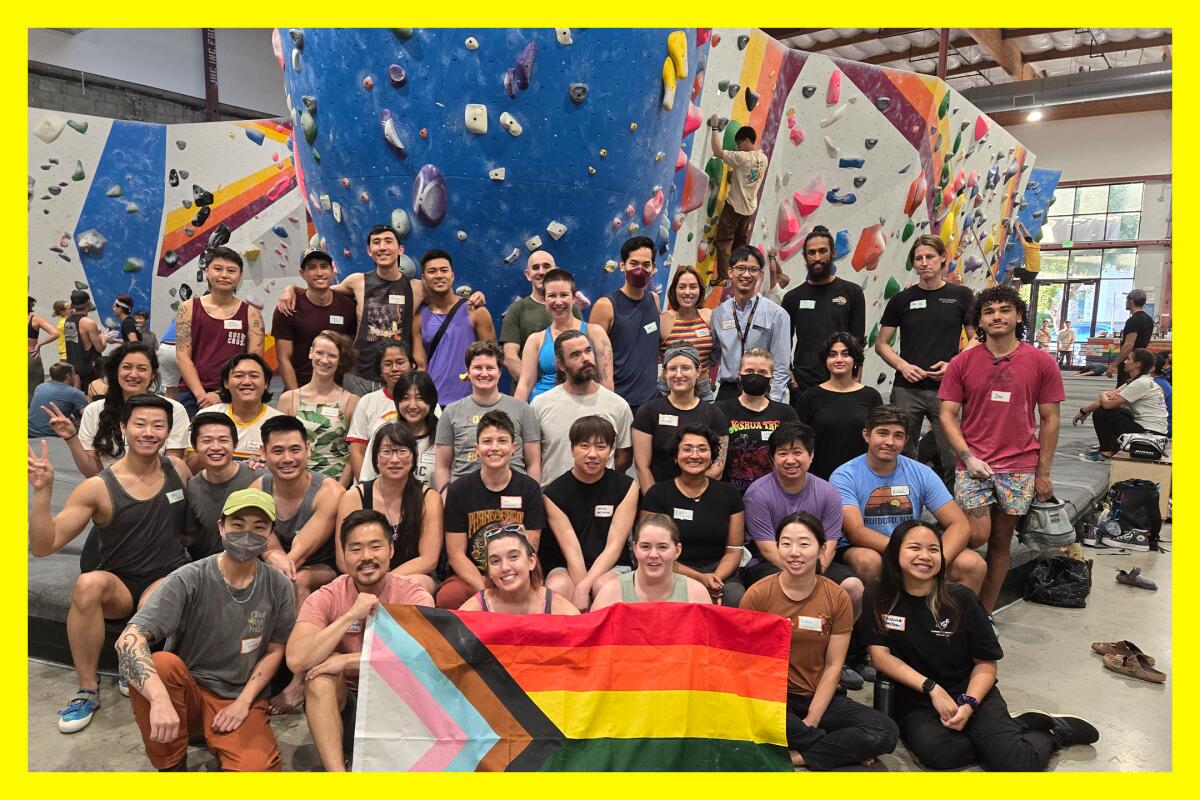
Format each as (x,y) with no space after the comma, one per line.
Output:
(227,617)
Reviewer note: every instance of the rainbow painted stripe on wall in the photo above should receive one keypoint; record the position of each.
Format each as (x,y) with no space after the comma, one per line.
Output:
(638,687)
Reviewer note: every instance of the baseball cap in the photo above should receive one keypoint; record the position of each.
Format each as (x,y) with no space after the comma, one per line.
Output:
(80,298)
(249,498)
(315,252)
(1138,296)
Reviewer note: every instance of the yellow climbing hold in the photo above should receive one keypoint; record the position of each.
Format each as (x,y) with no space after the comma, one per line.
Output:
(603,153)
(677,47)
(591,170)
(633,126)
(668,78)
(948,228)
(989,244)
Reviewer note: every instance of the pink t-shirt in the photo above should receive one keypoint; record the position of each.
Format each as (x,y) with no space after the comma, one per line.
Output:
(999,401)
(337,597)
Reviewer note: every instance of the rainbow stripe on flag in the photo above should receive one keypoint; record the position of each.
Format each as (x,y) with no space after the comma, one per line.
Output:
(634,687)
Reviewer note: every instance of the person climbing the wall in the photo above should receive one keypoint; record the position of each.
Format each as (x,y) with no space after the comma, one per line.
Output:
(527,315)
(747,165)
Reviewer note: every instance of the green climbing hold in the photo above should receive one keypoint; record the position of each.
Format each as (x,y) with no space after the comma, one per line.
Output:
(171,292)
(175,306)
(909,228)
(957,143)
(945,174)
(80,285)
(78,174)
(892,288)
(874,334)
(937,201)
(731,130)
(78,126)
(691,236)
(722,85)
(133,265)
(309,125)
(316,155)
(945,106)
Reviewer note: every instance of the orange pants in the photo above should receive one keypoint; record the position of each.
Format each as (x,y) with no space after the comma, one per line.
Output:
(250,748)
(453,593)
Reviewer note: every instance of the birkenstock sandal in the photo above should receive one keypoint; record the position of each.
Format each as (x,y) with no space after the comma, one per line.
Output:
(1134,666)
(1121,648)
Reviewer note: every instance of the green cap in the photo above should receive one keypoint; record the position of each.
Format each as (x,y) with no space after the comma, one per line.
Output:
(250,498)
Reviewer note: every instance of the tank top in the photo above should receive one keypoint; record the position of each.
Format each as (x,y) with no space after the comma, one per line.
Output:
(62,340)
(326,424)
(144,538)
(634,338)
(80,356)
(695,332)
(548,365)
(549,599)
(386,316)
(33,329)
(679,593)
(447,362)
(215,341)
(401,551)
(286,529)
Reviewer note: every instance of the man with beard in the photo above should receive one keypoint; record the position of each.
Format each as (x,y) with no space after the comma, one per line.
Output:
(213,438)
(527,315)
(578,396)
(1004,459)
(822,305)
(318,308)
(747,166)
(630,318)
(447,328)
(326,643)
(753,417)
(746,321)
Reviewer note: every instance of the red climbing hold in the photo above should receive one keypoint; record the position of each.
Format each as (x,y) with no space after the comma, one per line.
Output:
(834,93)
(810,199)
(695,189)
(693,121)
(702,35)
(681,160)
(871,244)
(653,208)
(787,225)
(916,194)
(981,127)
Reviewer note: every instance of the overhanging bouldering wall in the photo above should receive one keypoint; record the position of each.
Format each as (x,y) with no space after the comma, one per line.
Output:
(489,143)
(120,207)
(876,155)
(1031,212)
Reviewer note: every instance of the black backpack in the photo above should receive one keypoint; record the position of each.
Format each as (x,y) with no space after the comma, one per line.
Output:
(1134,504)
(1060,581)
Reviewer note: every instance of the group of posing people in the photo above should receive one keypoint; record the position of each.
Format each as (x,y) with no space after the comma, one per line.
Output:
(257,539)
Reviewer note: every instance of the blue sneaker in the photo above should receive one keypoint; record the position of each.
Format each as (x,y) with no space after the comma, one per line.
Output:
(1096,457)
(78,713)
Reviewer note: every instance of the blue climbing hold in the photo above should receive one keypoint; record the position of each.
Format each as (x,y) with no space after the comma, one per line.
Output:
(280,231)
(841,243)
(847,199)
(851,163)
(255,136)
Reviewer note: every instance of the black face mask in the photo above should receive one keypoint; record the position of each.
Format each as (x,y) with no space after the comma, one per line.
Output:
(755,385)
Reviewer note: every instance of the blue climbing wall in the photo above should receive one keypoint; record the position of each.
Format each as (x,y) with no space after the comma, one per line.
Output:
(580,164)
(1031,212)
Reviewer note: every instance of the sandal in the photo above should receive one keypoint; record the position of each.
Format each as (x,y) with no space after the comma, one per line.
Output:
(1135,666)
(1134,578)
(1121,648)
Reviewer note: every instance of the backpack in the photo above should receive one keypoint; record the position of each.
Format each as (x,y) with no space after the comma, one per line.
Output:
(1133,503)
(1144,446)
(1047,526)
(1060,581)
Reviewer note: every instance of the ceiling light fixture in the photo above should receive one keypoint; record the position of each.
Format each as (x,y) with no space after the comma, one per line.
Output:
(1034,115)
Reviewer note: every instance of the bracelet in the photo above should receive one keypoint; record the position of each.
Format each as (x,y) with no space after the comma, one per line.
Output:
(69,438)
(966,700)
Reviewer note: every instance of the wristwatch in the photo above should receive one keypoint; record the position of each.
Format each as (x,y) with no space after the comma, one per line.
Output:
(966,700)
(928,685)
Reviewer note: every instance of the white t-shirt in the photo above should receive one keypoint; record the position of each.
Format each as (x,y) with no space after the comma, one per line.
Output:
(1146,399)
(373,411)
(557,411)
(177,439)
(249,443)
(747,167)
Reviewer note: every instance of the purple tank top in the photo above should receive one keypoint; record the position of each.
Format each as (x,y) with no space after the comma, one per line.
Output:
(447,362)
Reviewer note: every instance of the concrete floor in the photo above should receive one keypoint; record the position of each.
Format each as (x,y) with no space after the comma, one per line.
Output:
(1048,665)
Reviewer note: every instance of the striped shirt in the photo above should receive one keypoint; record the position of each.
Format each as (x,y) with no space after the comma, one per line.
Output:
(695,332)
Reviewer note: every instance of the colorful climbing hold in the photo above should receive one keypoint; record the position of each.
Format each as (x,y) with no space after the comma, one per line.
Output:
(916,194)
(429,194)
(694,119)
(681,160)
(653,208)
(524,68)
(871,340)
(397,76)
(510,82)
(851,163)
(668,80)
(847,199)
(810,199)
(786,223)
(368,83)
(981,127)
(909,228)
(81,127)
(833,91)
(695,189)
(78,174)
(280,231)
(796,135)
(723,86)
(133,264)
(841,244)
(677,49)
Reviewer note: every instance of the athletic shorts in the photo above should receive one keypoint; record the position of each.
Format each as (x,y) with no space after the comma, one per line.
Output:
(1011,491)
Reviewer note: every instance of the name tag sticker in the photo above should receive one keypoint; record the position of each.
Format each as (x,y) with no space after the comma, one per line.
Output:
(604,511)
(336,319)
(916,304)
(233,324)
(684,514)
(510,501)
(427,457)
(808,304)
(893,623)
(355,627)
(650,327)
(396,299)
(668,419)
(726,324)
(765,435)
(175,496)
(249,645)
(331,411)
(808,624)
(252,446)
(1000,397)
(899,491)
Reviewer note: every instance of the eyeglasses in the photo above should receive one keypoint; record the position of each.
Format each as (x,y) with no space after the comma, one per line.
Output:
(389,453)
(745,269)
(697,449)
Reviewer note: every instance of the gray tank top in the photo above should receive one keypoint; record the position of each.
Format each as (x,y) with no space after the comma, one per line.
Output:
(286,529)
(678,593)
(144,538)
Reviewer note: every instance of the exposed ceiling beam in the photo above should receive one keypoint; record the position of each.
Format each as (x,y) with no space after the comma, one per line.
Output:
(1096,108)
(1075,52)
(864,36)
(914,52)
(1005,53)
(1017,33)
(787,33)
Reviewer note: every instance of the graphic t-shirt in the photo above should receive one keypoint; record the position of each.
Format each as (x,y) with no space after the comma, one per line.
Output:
(590,508)
(746,168)
(470,506)
(1149,404)
(931,325)
(887,500)
(459,420)
(748,459)
(249,444)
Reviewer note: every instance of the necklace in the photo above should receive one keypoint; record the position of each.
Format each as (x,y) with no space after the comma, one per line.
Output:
(693,498)
(249,590)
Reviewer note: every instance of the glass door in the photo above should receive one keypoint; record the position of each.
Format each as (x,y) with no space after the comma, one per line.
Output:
(1079,308)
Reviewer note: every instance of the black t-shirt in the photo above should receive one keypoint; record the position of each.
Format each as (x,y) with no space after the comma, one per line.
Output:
(748,460)
(818,311)
(839,419)
(590,508)
(1141,324)
(703,523)
(128,326)
(470,506)
(930,323)
(662,420)
(308,320)
(913,637)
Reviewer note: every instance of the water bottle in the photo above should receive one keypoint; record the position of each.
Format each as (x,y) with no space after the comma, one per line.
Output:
(884,696)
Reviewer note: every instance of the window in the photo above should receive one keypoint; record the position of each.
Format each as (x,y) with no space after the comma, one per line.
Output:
(1094,214)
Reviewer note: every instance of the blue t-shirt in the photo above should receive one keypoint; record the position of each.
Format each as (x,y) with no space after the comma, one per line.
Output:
(68,399)
(1166,389)
(887,500)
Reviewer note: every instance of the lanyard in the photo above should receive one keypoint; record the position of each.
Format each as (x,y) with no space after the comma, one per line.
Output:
(749,321)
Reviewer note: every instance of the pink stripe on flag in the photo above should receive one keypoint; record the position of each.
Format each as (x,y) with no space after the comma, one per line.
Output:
(397,675)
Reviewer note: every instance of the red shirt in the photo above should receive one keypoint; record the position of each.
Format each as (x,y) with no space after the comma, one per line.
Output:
(999,397)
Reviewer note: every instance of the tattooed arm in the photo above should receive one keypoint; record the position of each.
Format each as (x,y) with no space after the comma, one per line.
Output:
(602,347)
(137,665)
(258,331)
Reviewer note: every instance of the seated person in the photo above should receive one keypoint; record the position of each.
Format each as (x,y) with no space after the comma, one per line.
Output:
(213,436)
(301,544)
(590,509)
(57,394)
(825,729)
(656,548)
(950,712)
(413,511)
(493,493)
(137,511)
(513,583)
(1162,369)
(327,641)
(226,618)
(753,417)
(1138,406)
(244,395)
(709,513)
(882,488)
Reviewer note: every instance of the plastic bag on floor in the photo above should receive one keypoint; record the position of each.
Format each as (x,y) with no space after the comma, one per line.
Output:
(1060,581)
